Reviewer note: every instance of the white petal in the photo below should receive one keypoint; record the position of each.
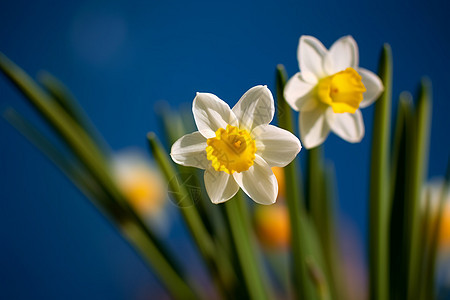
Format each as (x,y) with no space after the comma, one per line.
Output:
(313,127)
(311,53)
(278,147)
(300,94)
(348,126)
(190,150)
(255,107)
(373,84)
(211,113)
(220,186)
(259,182)
(342,54)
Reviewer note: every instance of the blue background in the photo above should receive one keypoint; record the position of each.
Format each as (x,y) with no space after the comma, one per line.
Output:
(120,58)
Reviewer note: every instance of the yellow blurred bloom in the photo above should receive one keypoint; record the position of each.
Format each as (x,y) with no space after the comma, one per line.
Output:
(272,226)
(140,183)
(444,236)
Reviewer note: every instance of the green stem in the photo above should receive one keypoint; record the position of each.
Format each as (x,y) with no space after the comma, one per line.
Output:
(73,135)
(398,273)
(320,196)
(215,257)
(96,164)
(82,180)
(379,185)
(177,287)
(418,163)
(246,254)
(306,254)
(61,94)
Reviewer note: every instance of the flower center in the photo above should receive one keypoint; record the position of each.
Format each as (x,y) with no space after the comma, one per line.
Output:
(343,91)
(232,150)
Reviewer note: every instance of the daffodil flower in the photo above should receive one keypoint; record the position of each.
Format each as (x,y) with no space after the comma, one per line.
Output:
(237,147)
(330,89)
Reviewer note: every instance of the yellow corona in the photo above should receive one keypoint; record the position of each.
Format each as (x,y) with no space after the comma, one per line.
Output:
(231,150)
(343,91)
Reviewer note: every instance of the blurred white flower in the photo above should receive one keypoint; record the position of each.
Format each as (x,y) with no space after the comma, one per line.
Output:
(330,89)
(237,147)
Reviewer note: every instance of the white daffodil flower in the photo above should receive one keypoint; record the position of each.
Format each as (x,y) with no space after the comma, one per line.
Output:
(237,147)
(330,89)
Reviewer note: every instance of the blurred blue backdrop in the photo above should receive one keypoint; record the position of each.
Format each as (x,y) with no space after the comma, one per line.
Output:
(120,58)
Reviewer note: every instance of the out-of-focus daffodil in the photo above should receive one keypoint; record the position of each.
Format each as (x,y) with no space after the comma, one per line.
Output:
(237,147)
(272,222)
(140,183)
(330,89)
(272,226)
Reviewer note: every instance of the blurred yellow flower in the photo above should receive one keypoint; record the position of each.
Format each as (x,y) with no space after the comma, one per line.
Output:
(140,183)
(272,226)
(444,237)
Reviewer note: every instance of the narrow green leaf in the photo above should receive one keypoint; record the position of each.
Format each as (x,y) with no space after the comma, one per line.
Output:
(320,196)
(173,128)
(176,286)
(418,170)
(315,192)
(330,232)
(431,263)
(248,259)
(379,185)
(87,185)
(62,95)
(72,134)
(398,248)
(68,166)
(304,242)
(170,123)
(426,238)
(91,157)
(215,258)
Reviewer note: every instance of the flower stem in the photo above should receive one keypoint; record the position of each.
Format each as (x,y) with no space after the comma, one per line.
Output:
(102,190)
(398,273)
(418,169)
(215,257)
(306,254)
(246,254)
(320,195)
(379,185)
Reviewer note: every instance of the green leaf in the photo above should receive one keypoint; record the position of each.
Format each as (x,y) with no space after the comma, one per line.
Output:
(79,142)
(71,133)
(379,184)
(307,259)
(215,257)
(248,258)
(399,185)
(66,164)
(418,164)
(64,98)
